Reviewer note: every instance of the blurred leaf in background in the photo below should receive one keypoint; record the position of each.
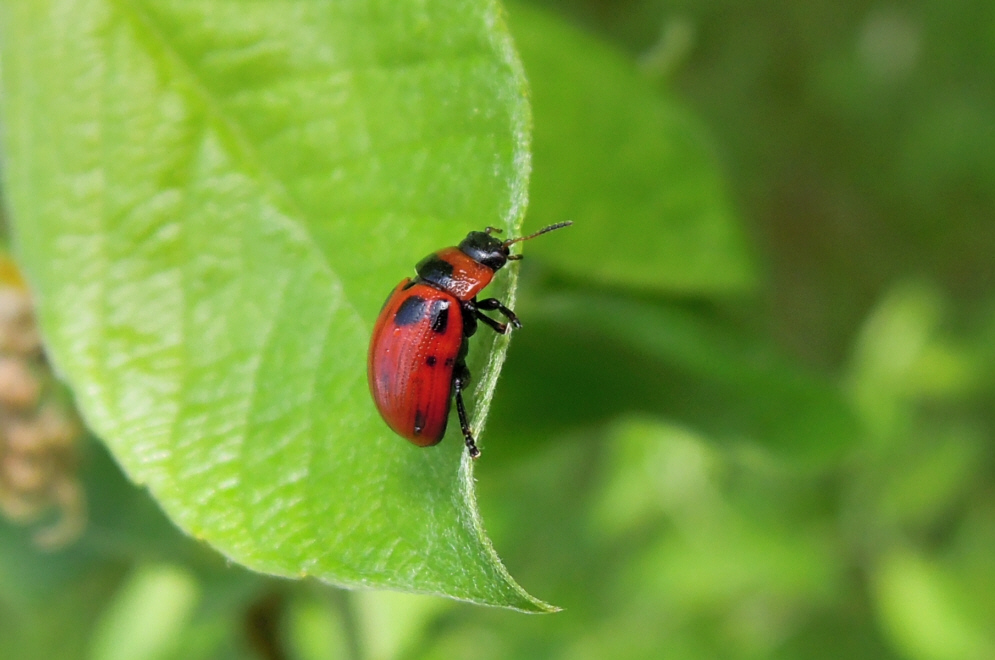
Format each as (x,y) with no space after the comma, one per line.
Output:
(630,165)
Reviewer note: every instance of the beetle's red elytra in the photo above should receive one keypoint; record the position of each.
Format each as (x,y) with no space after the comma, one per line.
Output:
(417,361)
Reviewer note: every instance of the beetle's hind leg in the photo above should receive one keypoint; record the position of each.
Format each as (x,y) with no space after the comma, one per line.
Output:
(460,380)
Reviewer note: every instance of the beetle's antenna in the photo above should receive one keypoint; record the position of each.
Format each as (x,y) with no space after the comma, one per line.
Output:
(558,225)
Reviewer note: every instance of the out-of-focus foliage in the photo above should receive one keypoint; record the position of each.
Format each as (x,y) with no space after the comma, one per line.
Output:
(800,471)
(611,146)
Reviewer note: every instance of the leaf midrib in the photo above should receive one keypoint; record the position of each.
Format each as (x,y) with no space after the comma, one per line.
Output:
(241,146)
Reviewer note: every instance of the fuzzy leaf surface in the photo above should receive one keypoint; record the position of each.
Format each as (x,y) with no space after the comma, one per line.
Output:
(211,200)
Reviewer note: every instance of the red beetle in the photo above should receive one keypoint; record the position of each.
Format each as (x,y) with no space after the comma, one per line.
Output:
(417,360)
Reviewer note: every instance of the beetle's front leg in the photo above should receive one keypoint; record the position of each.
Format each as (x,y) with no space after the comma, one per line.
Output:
(495,304)
(470,316)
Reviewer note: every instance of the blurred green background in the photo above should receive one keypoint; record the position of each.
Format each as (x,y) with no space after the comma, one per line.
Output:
(796,465)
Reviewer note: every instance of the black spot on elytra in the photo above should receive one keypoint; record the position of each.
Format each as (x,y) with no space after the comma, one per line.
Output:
(440,316)
(435,270)
(419,421)
(410,311)
(450,361)
(430,360)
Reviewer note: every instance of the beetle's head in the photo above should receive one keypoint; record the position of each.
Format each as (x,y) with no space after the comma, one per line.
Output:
(484,248)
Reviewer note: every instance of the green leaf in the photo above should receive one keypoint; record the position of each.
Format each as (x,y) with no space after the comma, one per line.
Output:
(920,482)
(211,200)
(314,631)
(892,343)
(630,165)
(147,616)
(924,611)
